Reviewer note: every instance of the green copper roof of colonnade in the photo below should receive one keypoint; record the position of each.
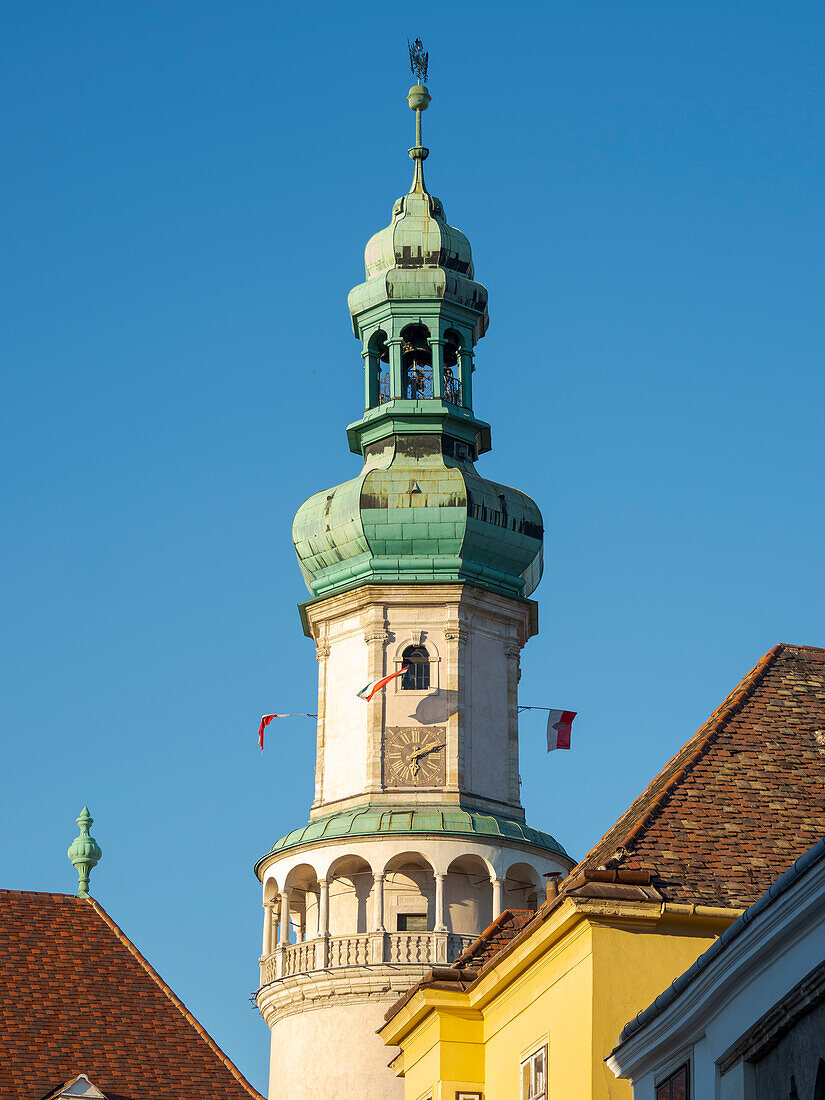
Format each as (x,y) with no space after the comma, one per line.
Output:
(418,512)
(377,821)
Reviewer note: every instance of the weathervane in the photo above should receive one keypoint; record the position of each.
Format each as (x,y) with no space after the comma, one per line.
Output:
(419,60)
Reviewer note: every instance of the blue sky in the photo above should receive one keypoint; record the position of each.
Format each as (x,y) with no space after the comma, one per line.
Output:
(185,195)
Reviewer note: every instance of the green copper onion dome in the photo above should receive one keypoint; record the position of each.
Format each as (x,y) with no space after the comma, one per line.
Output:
(416,514)
(418,255)
(418,511)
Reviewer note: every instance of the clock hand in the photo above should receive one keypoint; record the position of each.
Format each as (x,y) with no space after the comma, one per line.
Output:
(432,748)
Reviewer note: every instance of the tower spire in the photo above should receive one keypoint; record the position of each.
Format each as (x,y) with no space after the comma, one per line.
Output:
(419,100)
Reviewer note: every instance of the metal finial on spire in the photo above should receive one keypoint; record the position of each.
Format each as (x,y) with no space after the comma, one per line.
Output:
(419,60)
(419,100)
(84,853)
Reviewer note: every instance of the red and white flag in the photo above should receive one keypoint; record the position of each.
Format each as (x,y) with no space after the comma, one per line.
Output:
(559,723)
(265,720)
(368,690)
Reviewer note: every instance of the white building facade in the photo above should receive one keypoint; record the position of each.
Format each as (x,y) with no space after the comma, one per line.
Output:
(416,838)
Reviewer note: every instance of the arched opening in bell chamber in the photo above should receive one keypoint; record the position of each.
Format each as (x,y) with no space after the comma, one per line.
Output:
(350,885)
(469,895)
(299,905)
(522,887)
(409,894)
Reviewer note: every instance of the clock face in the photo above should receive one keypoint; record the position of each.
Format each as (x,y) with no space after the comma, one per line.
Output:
(415,756)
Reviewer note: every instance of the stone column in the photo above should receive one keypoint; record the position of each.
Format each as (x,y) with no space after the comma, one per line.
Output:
(396,380)
(269,921)
(370,379)
(284,936)
(378,902)
(439,925)
(465,358)
(496,897)
(437,355)
(323,908)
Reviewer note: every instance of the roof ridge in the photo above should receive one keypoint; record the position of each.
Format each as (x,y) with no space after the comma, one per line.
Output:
(176,1001)
(700,742)
(53,894)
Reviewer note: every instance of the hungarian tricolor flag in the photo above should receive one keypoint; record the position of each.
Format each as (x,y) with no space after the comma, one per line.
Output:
(559,723)
(368,690)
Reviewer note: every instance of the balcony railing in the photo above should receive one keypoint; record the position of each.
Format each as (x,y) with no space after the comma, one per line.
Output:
(419,384)
(363,949)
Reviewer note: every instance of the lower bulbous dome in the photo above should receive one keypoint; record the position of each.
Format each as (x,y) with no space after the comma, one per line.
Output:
(415,514)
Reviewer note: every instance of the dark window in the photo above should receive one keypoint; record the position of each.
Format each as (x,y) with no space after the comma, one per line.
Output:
(675,1087)
(819,1085)
(417,676)
(412,922)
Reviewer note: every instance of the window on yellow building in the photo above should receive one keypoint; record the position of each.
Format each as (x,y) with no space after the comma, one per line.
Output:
(675,1087)
(534,1076)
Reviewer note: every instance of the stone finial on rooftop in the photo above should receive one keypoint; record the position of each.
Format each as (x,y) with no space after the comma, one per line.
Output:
(84,853)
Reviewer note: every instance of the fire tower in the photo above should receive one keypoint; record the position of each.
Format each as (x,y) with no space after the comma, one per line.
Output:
(416,838)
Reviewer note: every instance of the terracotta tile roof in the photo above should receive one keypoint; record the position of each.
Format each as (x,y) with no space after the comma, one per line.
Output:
(742,800)
(77,997)
(493,939)
(733,809)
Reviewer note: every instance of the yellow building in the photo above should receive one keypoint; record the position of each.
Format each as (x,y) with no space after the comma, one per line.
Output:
(532,1008)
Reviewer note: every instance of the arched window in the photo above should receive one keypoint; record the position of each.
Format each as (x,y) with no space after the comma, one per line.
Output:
(417,363)
(379,359)
(417,676)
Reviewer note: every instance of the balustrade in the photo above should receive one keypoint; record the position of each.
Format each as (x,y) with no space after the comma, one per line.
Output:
(363,949)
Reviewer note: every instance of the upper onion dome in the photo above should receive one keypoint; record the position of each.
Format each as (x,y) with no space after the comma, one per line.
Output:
(418,255)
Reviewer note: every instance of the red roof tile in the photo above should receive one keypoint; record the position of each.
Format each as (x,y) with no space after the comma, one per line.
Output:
(76,996)
(742,800)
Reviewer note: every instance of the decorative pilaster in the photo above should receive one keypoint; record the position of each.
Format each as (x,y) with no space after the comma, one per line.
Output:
(458,688)
(322,651)
(376,636)
(512,651)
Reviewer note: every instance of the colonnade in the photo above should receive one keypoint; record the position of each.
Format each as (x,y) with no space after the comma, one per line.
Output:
(278,911)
